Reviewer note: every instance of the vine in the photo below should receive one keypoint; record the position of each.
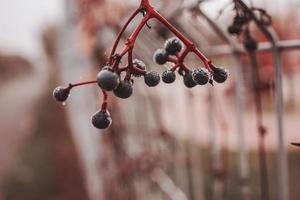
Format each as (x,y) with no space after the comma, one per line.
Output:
(175,51)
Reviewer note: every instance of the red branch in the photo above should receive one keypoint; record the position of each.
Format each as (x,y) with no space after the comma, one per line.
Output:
(105,95)
(178,60)
(147,9)
(104,101)
(80,84)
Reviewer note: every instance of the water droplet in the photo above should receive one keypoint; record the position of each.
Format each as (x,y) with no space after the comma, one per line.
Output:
(64,103)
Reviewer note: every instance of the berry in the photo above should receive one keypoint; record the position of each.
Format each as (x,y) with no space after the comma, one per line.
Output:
(101,119)
(168,76)
(139,64)
(200,76)
(250,44)
(234,29)
(173,46)
(61,94)
(152,79)
(107,79)
(188,80)
(124,89)
(220,75)
(160,56)
(239,20)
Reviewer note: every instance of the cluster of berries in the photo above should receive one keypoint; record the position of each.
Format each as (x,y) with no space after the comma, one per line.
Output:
(101,119)
(240,25)
(236,28)
(111,79)
(191,78)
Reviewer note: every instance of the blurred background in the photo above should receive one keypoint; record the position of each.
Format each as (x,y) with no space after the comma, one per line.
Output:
(167,142)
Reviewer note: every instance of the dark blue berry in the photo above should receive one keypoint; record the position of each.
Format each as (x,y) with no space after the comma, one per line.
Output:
(160,56)
(101,119)
(168,76)
(61,94)
(234,29)
(250,44)
(188,80)
(152,79)
(139,64)
(200,76)
(220,75)
(107,79)
(124,89)
(173,46)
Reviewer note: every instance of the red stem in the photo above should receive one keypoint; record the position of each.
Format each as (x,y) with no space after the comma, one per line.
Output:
(120,35)
(178,61)
(130,58)
(131,40)
(171,59)
(183,55)
(80,84)
(130,44)
(152,13)
(133,36)
(185,67)
(115,59)
(104,101)
(141,71)
(189,45)
(175,67)
(130,64)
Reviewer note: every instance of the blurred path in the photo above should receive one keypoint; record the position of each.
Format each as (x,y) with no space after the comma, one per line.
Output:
(18,99)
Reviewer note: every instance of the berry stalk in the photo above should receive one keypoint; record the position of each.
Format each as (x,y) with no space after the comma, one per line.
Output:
(81,83)
(189,45)
(104,100)
(109,79)
(120,35)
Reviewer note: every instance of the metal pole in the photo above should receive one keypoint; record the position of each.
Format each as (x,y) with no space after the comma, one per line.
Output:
(224,50)
(283,183)
(264,180)
(243,157)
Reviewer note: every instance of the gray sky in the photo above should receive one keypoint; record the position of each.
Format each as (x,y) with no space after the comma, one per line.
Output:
(21,22)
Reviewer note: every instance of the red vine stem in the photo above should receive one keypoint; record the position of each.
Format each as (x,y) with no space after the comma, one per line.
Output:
(115,59)
(105,95)
(131,40)
(189,45)
(185,67)
(171,59)
(80,84)
(145,7)
(141,71)
(130,64)
(104,102)
(183,55)
(120,35)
